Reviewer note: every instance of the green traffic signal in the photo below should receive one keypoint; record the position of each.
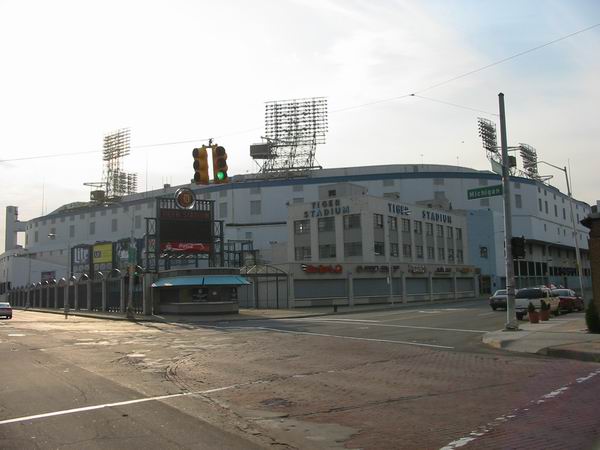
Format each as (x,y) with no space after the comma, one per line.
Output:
(221,175)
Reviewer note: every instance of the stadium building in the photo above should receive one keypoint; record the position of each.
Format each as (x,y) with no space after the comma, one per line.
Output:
(263,212)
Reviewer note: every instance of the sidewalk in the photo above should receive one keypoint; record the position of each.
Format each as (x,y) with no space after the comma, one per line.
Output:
(563,336)
(256,314)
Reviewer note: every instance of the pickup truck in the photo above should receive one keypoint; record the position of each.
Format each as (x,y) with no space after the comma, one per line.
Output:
(534,296)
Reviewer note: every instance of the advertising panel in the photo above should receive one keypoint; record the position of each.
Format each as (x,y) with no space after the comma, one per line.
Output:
(185,231)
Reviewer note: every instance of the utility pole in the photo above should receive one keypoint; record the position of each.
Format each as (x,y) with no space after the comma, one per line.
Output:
(511,322)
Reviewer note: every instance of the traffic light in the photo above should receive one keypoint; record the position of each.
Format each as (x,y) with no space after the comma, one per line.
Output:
(518,247)
(219,156)
(200,165)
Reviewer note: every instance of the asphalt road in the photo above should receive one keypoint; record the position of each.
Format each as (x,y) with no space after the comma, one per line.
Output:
(415,378)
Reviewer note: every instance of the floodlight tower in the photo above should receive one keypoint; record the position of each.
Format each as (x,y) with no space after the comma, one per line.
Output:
(293,129)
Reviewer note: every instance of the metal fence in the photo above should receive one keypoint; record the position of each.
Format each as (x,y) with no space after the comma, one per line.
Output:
(102,293)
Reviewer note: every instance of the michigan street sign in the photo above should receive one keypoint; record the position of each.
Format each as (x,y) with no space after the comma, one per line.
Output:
(488,191)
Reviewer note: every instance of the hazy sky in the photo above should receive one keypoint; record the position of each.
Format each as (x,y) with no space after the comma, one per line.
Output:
(72,71)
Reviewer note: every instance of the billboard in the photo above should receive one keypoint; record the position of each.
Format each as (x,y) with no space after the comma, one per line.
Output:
(102,257)
(187,231)
(81,260)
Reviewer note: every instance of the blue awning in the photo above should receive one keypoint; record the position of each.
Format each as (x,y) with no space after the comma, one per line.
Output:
(201,280)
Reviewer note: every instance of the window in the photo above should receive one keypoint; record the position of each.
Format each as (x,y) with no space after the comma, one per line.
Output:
(125,208)
(326,224)
(430,253)
(540,204)
(379,248)
(441,254)
(223,193)
(62,219)
(394,249)
(137,220)
(53,231)
(93,214)
(114,210)
(407,250)
(484,202)
(459,234)
(388,182)
(71,218)
(483,252)
(419,251)
(255,207)
(255,190)
(483,182)
(302,253)
(378,220)
(450,255)
(439,230)
(35,236)
(301,226)
(53,221)
(438,181)
(545,192)
(429,229)
(351,221)
(298,188)
(248,235)
(517,185)
(449,231)
(556,210)
(102,213)
(92,228)
(331,193)
(71,231)
(222,210)
(82,216)
(298,200)
(353,248)
(327,251)
(138,207)
(392,223)
(564,214)
(406,225)
(418,227)
(546,205)
(114,225)
(545,227)
(518,201)
(558,230)
(459,256)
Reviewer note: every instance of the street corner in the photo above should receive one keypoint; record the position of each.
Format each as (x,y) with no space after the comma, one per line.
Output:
(582,351)
(503,339)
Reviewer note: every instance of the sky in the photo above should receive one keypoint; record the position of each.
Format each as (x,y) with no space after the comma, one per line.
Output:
(182,70)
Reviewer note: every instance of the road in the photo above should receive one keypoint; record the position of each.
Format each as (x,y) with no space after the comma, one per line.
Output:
(416,378)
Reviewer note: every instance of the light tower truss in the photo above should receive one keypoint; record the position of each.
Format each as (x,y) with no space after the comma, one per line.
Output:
(293,129)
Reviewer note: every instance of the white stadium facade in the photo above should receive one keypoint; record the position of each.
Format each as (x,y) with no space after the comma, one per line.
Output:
(262,210)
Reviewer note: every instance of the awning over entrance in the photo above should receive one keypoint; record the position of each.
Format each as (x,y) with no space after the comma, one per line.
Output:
(201,280)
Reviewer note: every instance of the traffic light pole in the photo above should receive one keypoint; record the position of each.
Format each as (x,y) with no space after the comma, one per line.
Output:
(511,319)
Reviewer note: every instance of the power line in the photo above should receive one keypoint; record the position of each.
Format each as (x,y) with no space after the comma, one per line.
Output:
(456,105)
(362,105)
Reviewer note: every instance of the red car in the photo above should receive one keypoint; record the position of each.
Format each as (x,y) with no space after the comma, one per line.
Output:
(5,310)
(569,300)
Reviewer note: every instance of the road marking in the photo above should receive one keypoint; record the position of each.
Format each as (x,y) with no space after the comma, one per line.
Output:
(112,405)
(486,314)
(339,319)
(17,335)
(398,326)
(484,429)
(308,333)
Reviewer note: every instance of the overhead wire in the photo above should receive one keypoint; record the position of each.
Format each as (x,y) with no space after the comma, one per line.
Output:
(349,108)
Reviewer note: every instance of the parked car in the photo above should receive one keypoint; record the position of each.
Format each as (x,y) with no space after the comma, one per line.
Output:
(569,300)
(498,300)
(534,296)
(5,310)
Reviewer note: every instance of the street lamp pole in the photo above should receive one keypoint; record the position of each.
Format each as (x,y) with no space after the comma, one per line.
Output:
(511,323)
(575,237)
(131,269)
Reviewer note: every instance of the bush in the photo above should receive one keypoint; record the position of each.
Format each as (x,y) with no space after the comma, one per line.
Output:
(592,318)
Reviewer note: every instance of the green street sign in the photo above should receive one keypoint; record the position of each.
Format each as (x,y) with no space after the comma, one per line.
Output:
(482,192)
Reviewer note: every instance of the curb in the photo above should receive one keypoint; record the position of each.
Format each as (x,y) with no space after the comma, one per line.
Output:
(578,355)
(207,318)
